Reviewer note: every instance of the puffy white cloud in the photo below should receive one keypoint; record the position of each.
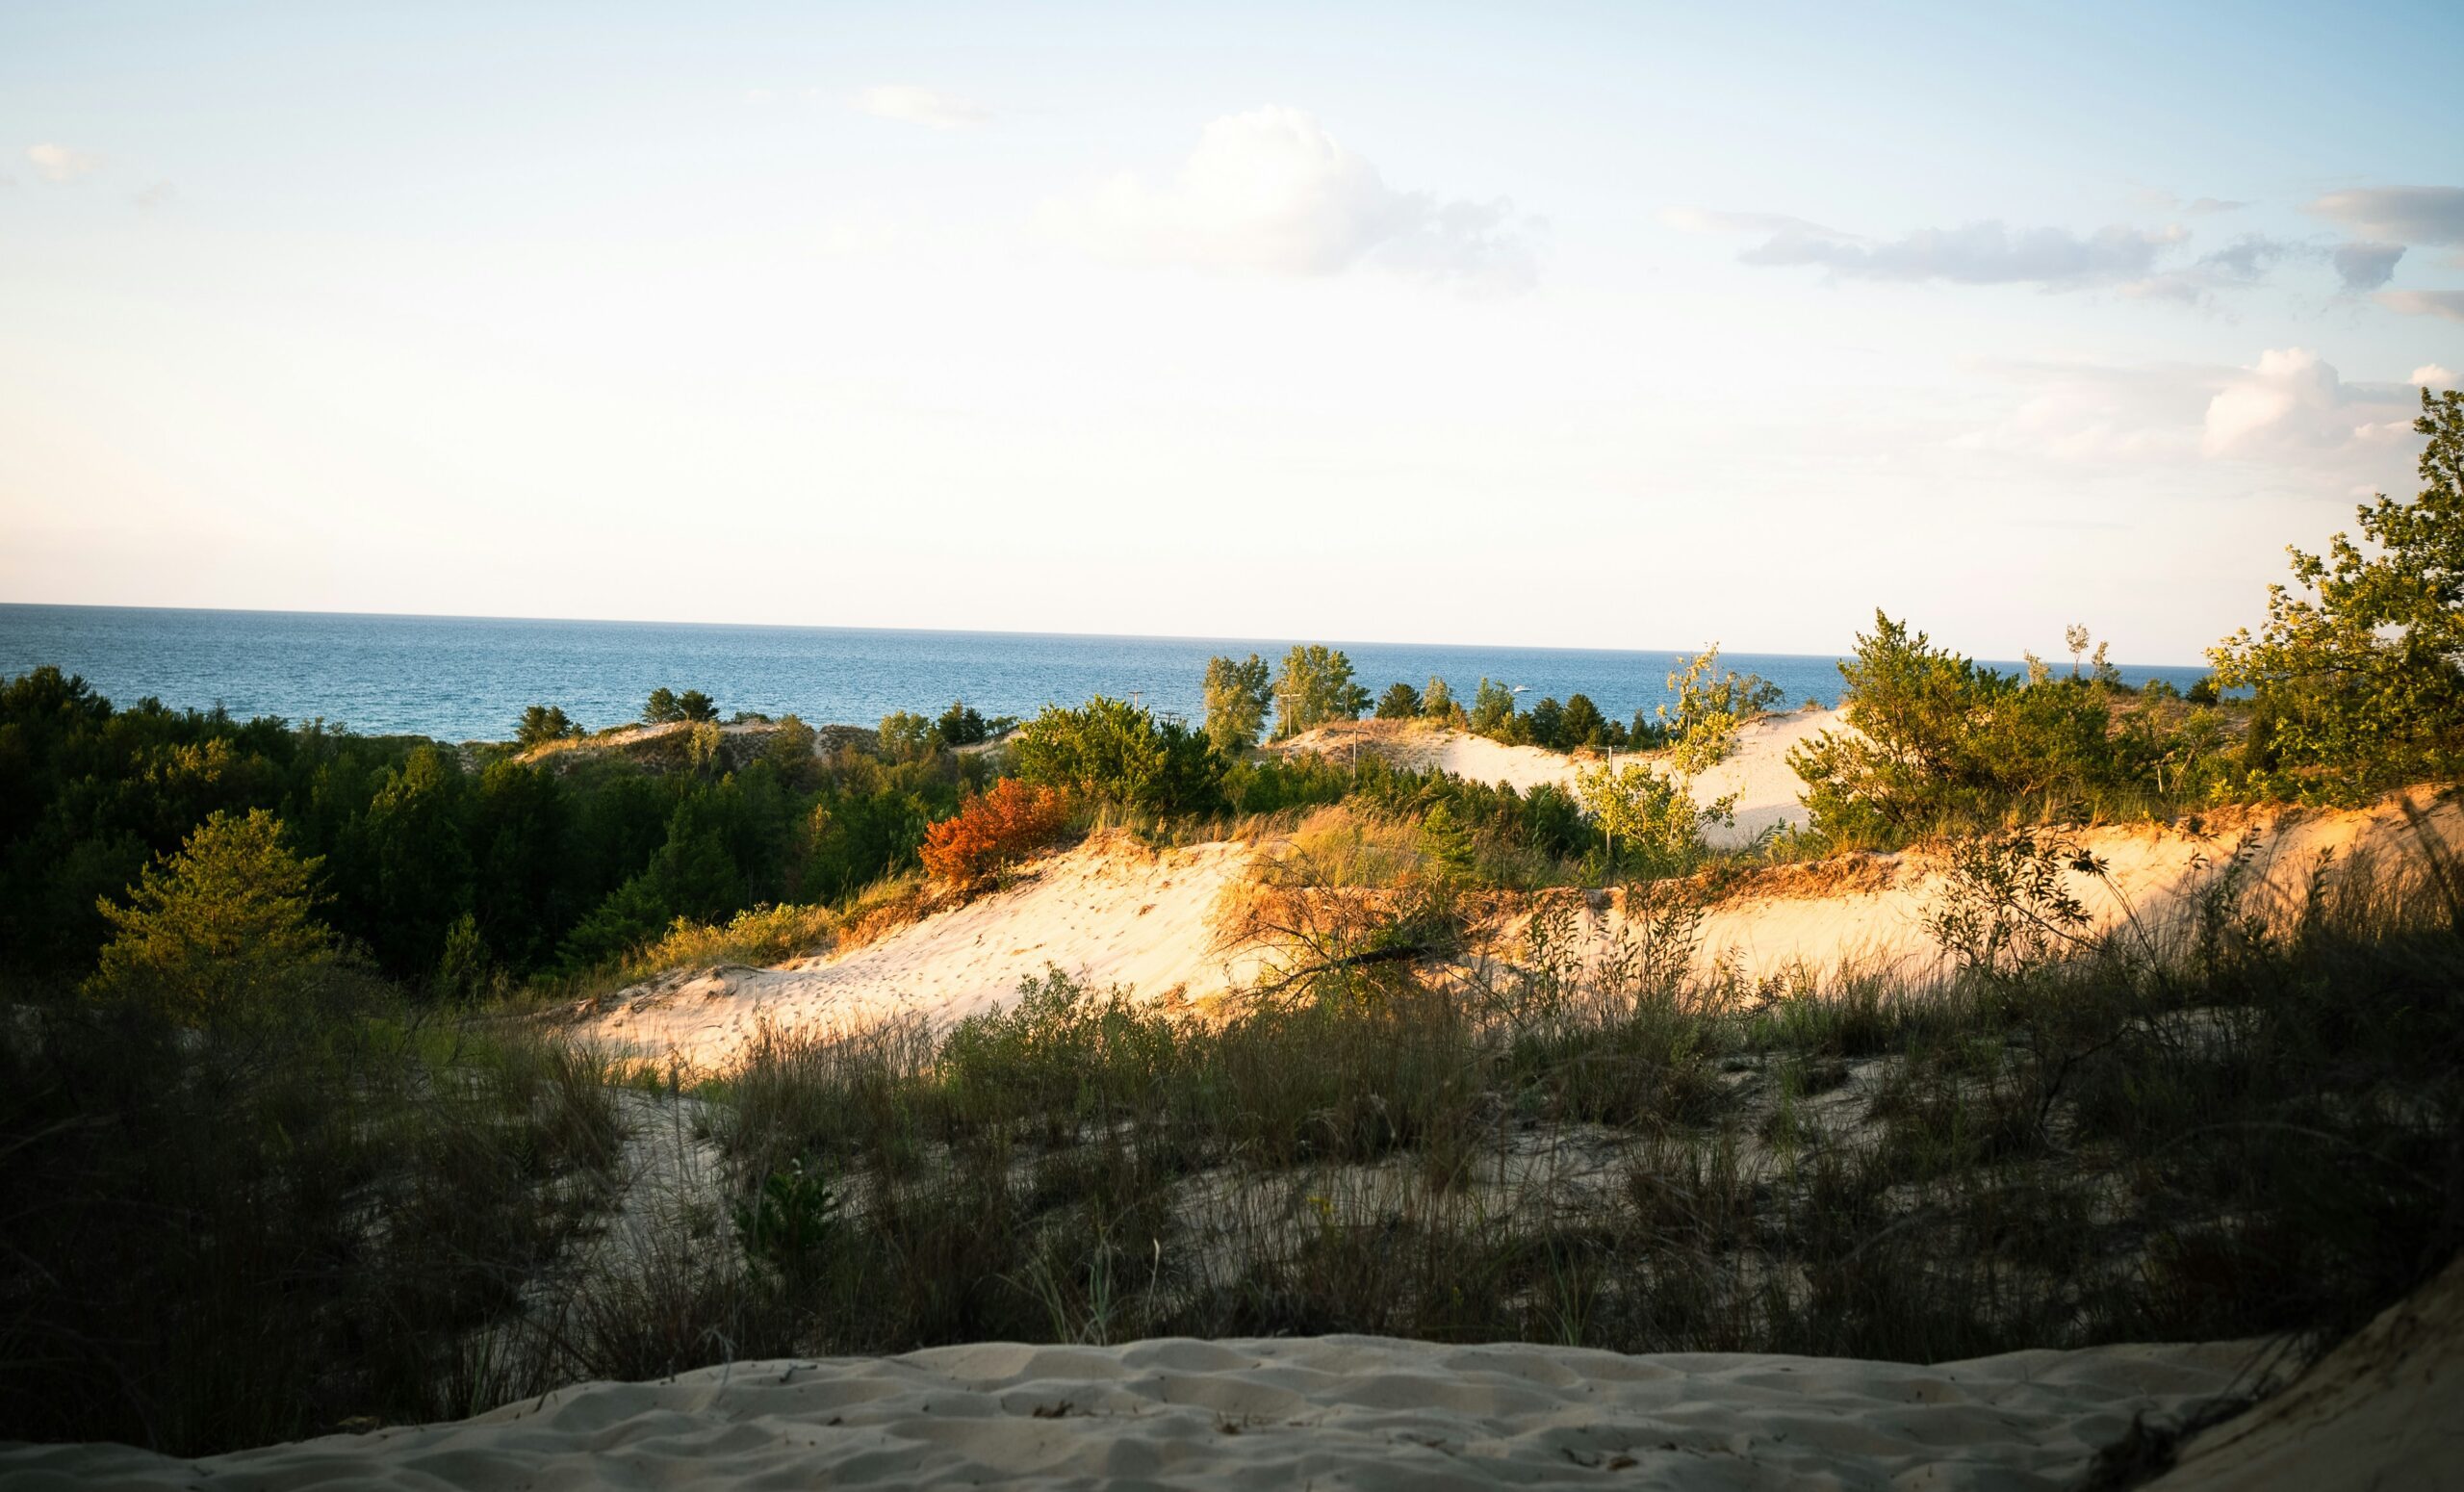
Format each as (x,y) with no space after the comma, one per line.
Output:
(60,163)
(2405,215)
(2365,266)
(1271,192)
(2449,304)
(2292,402)
(920,106)
(2290,408)
(2430,375)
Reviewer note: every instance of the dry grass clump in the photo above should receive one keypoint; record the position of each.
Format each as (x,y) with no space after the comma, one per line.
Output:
(763,936)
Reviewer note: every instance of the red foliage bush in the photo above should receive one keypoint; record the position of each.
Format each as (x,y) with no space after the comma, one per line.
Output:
(992,830)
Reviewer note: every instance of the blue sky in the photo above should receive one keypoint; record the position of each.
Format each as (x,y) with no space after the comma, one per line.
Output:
(1612,325)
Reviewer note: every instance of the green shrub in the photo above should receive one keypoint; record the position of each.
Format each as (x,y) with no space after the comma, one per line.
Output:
(1940,743)
(1107,751)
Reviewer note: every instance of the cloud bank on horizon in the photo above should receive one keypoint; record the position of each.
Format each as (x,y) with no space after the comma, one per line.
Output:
(1587,318)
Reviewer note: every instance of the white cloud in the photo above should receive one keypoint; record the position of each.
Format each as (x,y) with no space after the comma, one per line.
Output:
(2406,215)
(156,195)
(2365,266)
(1271,192)
(59,164)
(2290,408)
(2449,304)
(1980,254)
(920,106)
(2292,402)
(2430,375)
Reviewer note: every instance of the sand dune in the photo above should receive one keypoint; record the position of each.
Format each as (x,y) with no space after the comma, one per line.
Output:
(1757,770)
(1112,912)
(2385,1410)
(1109,912)
(1330,1413)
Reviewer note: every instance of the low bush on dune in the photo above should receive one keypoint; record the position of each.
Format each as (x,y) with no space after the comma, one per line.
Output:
(991,832)
(758,935)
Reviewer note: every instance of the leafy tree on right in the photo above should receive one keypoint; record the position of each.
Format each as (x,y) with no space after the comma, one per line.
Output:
(2358,682)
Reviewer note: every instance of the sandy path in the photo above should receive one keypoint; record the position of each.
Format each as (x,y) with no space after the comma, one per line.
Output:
(1364,1412)
(1109,912)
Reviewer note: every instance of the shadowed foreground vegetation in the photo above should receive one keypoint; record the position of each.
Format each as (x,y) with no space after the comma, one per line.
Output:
(225,1236)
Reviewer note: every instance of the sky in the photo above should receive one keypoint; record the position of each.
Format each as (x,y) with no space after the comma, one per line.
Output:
(1618,326)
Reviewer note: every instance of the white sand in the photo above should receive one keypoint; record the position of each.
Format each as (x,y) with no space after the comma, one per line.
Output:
(1109,912)
(1363,1412)
(2384,1411)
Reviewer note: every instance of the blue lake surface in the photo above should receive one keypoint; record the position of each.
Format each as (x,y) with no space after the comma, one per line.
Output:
(469,677)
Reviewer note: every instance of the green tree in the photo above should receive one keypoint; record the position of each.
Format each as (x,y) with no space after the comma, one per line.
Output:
(1493,710)
(1109,751)
(1437,703)
(1236,697)
(2361,671)
(1316,687)
(906,736)
(222,930)
(662,708)
(544,723)
(960,725)
(695,705)
(1399,702)
(1548,723)
(1583,724)
(420,860)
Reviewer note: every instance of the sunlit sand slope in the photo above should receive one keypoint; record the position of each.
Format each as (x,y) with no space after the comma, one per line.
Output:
(1110,912)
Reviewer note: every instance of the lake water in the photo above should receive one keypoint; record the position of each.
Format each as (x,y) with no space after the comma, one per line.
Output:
(469,677)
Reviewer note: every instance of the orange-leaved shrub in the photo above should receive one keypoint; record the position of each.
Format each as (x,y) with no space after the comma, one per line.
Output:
(991,830)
